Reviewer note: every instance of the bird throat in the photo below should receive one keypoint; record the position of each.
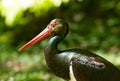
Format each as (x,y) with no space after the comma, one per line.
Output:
(53,56)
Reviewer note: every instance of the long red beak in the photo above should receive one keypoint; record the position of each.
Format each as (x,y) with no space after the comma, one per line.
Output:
(46,32)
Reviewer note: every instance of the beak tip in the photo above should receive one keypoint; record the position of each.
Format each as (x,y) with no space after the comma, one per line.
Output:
(22,48)
(36,39)
(19,49)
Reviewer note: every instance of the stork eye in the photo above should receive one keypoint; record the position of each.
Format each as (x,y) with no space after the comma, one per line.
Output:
(52,24)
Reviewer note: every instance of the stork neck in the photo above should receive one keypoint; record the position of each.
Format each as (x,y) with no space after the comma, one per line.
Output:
(54,41)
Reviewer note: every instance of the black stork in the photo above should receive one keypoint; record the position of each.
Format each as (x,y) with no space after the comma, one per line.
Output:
(73,64)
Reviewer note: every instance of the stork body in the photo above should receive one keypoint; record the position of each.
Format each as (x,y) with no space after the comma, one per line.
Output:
(73,64)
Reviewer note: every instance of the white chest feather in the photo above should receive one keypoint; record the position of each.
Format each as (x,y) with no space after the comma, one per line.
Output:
(72,78)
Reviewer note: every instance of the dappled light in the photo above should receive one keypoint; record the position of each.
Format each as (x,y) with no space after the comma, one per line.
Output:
(93,25)
(13,9)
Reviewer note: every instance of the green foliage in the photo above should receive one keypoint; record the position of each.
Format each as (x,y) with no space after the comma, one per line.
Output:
(94,25)
(24,66)
(30,65)
(13,10)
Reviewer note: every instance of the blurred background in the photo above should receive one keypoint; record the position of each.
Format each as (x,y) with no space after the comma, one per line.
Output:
(94,26)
